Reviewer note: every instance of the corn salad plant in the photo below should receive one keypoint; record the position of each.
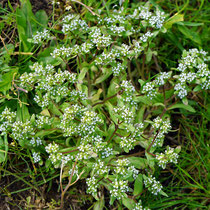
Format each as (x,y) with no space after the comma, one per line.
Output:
(87,108)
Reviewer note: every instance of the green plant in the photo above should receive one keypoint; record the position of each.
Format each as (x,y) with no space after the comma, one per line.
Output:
(89,114)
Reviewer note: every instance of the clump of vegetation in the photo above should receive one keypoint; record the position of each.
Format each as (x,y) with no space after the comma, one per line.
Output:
(93,102)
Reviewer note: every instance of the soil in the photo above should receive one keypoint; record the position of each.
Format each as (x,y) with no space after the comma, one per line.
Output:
(41,5)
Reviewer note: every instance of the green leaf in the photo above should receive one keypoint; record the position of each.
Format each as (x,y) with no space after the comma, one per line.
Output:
(185,101)
(82,74)
(45,112)
(3,149)
(159,104)
(6,81)
(42,18)
(54,109)
(174,19)
(140,114)
(192,35)
(182,106)
(128,202)
(96,97)
(141,82)
(149,55)
(43,133)
(197,88)
(177,149)
(138,185)
(106,73)
(138,162)
(68,149)
(22,110)
(189,23)
(143,99)
(163,193)
(174,39)
(99,205)
(112,200)
(26,24)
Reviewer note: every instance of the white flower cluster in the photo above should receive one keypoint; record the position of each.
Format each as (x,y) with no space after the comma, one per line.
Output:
(7,118)
(115,18)
(92,185)
(119,189)
(36,141)
(49,84)
(118,68)
(158,19)
(27,80)
(99,39)
(127,143)
(203,70)
(36,157)
(150,90)
(128,92)
(89,121)
(42,101)
(99,168)
(108,151)
(206,84)
(65,52)
(40,70)
(124,113)
(192,60)
(73,23)
(117,29)
(138,130)
(125,50)
(135,172)
(69,114)
(91,146)
(181,89)
(137,49)
(85,151)
(96,142)
(54,156)
(170,156)
(66,158)
(68,18)
(107,57)
(153,186)
(139,206)
(22,130)
(86,47)
(145,37)
(162,77)
(162,127)
(39,37)
(143,13)
(52,148)
(75,172)
(116,23)
(122,168)
(155,20)
(42,120)
(76,94)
